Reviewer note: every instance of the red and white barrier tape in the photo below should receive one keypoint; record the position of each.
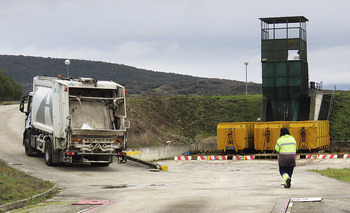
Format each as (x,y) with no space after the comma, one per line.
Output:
(252,157)
(321,156)
(183,158)
(243,157)
(215,157)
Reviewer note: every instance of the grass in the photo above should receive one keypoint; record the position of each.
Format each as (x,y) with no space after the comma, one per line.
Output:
(182,119)
(16,185)
(340,124)
(9,102)
(341,174)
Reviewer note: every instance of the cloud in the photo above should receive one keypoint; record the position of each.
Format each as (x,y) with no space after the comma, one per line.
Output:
(330,65)
(136,49)
(196,37)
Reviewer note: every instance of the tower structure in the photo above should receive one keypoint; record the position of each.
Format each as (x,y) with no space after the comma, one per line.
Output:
(284,69)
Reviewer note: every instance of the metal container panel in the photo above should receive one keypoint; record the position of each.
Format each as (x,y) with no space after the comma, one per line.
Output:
(235,136)
(266,135)
(310,135)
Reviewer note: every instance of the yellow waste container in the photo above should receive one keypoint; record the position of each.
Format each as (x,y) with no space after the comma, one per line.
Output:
(235,136)
(310,135)
(266,135)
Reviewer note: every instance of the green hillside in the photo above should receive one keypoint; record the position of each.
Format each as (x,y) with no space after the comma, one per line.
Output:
(340,119)
(139,82)
(183,119)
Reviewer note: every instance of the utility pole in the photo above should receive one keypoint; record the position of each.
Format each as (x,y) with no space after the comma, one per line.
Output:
(246,77)
(67,62)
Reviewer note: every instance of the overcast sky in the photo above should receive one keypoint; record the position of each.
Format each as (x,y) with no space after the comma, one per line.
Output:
(206,38)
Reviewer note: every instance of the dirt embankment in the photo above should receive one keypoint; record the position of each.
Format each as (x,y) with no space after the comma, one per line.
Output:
(185,119)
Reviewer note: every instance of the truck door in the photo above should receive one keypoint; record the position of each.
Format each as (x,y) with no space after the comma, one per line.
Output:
(26,107)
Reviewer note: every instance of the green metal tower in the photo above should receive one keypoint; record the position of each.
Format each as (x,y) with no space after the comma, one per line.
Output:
(284,69)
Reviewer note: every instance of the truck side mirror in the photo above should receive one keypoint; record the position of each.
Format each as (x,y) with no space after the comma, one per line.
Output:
(21,106)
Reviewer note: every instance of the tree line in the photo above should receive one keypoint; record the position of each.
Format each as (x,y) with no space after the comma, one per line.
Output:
(10,90)
(138,82)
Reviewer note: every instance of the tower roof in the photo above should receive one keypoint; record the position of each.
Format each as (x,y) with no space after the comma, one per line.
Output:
(286,19)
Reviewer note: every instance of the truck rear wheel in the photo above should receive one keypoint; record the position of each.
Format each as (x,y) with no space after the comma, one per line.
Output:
(52,157)
(48,154)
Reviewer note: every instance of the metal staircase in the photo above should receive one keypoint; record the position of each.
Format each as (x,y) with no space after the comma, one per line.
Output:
(326,106)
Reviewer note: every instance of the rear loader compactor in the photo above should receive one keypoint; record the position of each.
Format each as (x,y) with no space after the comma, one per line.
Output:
(75,120)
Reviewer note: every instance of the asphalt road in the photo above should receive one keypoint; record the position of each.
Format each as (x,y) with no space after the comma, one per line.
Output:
(188,186)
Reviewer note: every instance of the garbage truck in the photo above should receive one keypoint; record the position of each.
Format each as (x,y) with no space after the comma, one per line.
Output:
(75,120)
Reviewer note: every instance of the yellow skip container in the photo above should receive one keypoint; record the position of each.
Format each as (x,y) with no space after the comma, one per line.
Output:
(235,136)
(266,135)
(262,136)
(310,135)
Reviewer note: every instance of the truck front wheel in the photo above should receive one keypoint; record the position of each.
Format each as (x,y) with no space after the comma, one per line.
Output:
(30,151)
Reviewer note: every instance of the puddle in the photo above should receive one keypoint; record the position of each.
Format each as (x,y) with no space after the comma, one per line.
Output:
(116,187)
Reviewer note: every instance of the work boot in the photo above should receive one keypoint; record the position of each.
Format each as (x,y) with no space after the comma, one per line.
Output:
(288,183)
(287,180)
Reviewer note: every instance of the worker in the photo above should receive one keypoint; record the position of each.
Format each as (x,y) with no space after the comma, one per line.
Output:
(286,147)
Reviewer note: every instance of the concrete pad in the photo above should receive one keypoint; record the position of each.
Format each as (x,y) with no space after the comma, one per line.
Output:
(280,206)
(331,204)
(188,186)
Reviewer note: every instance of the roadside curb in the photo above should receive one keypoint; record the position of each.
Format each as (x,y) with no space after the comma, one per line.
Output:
(22,203)
(285,205)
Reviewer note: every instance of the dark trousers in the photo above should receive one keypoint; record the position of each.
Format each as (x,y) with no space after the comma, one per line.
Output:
(288,170)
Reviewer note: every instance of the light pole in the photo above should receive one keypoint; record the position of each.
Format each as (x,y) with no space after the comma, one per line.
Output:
(246,77)
(67,62)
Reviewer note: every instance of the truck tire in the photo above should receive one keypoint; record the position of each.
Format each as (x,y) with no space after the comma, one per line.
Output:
(48,154)
(30,151)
